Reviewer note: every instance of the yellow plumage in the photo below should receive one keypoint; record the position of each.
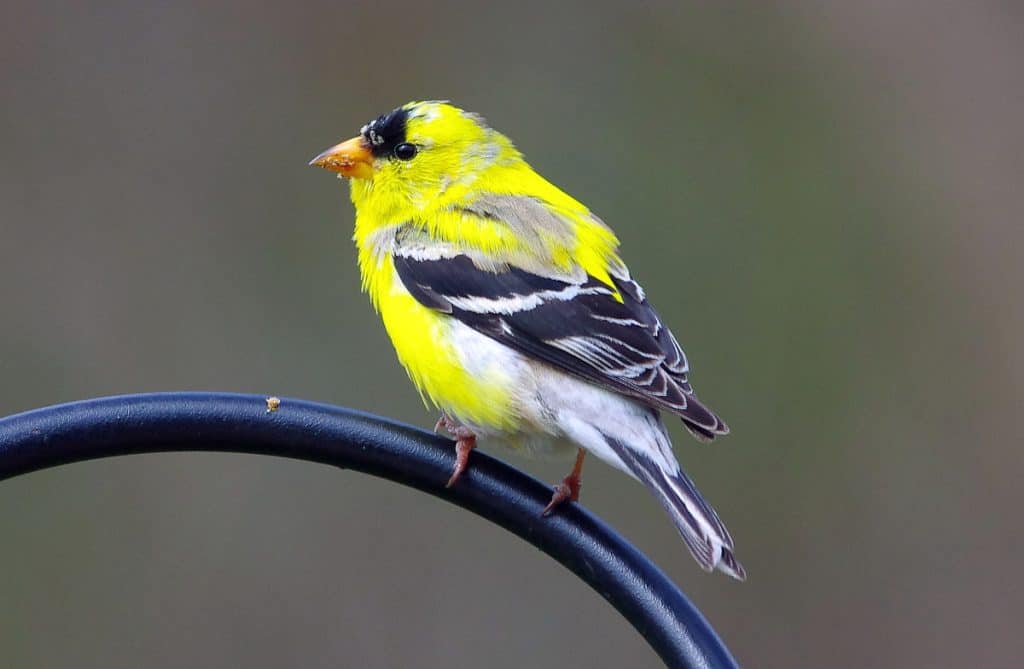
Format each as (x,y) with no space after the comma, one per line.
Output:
(420,338)
(510,309)
(467,160)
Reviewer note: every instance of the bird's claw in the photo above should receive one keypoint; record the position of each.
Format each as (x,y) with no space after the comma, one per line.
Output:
(463,446)
(567,490)
(465,441)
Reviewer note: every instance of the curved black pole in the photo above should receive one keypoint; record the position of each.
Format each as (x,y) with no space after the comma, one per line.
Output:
(345,438)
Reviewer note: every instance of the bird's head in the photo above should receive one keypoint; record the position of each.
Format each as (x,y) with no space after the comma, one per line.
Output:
(420,154)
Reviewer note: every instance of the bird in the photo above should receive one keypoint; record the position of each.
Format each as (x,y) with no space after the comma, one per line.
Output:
(512,312)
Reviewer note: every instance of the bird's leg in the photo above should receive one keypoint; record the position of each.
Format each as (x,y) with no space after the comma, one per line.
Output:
(465,441)
(444,422)
(569,488)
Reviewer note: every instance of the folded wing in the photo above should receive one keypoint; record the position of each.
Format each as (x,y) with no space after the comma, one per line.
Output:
(606,334)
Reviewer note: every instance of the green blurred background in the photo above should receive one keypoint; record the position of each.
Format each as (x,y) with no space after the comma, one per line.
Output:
(822,199)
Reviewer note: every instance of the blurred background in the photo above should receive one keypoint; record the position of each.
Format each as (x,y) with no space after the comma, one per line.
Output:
(823,199)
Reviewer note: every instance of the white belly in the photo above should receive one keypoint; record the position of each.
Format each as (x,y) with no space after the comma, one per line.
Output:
(557,413)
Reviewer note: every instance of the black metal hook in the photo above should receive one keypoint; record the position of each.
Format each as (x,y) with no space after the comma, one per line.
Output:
(331,435)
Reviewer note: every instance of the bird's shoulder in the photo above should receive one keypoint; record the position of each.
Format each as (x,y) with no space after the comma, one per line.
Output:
(536,232)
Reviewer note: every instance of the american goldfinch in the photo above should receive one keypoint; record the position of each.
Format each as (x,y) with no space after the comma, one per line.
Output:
(511,311)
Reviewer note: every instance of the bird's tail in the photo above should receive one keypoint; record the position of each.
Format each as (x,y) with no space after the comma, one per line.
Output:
(697,522)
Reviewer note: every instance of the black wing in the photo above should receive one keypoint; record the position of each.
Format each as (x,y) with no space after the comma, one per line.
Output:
(577,326)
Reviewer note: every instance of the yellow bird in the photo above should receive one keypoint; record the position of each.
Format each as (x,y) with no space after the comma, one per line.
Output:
(511,311)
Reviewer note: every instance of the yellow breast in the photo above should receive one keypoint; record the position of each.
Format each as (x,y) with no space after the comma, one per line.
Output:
(477,391)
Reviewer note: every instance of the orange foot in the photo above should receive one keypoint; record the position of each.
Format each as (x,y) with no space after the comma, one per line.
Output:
(569,488)
(465,441)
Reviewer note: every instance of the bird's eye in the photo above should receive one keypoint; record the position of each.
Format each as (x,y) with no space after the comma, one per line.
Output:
(406,151)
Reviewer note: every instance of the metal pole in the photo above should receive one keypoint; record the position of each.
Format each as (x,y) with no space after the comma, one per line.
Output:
(331,435)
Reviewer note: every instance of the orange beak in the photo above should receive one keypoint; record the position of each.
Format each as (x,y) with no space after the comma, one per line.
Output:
(351,158)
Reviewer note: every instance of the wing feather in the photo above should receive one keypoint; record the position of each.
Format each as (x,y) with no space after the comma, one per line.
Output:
(574,323)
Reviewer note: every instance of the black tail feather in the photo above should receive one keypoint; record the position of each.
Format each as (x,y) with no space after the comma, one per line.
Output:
(702,422)
(698,523)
